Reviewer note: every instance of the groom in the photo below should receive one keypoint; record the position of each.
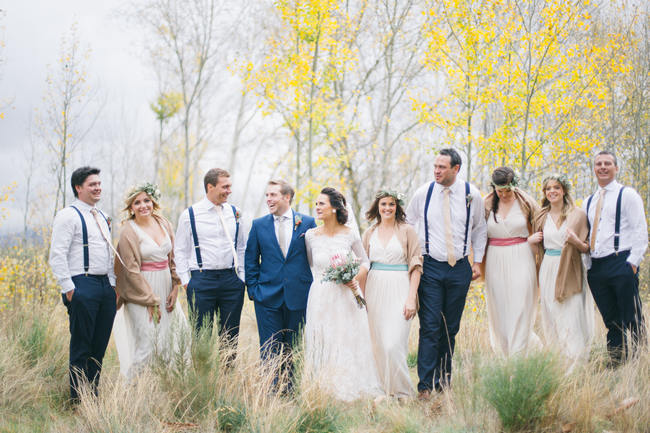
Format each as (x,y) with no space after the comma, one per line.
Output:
(277,271)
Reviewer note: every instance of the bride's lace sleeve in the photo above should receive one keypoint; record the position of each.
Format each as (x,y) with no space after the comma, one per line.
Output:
(308,240)
(359,251)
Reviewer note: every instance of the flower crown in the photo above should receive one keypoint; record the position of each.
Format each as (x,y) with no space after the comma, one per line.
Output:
(398,196)
(148,187)
(513,183)
(561,179)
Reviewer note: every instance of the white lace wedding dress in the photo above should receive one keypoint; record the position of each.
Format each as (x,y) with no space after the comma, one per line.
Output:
(338,349)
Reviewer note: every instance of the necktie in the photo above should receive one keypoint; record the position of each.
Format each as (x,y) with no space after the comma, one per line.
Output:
(225,230)
(594,228)
(94,213)
(446,210)
(281,235)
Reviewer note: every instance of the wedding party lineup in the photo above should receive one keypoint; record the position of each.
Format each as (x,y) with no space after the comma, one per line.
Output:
(346,300)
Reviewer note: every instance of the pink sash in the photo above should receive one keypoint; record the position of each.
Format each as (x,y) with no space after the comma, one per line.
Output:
(506,242)
(154,266)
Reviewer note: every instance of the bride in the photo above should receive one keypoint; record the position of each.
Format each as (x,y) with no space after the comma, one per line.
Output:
(338,348)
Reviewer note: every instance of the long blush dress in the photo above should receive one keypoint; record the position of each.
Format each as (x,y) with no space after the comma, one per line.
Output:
(511,286)
(137,338)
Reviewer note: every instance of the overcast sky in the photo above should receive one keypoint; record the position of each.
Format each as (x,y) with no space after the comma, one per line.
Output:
(32,36)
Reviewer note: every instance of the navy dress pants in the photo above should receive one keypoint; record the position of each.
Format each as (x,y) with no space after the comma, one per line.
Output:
(442,294)
(218,292)
(91,311)
(615,288)
(279,330)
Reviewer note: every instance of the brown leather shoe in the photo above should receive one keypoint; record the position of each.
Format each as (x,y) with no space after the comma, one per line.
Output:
(424,395)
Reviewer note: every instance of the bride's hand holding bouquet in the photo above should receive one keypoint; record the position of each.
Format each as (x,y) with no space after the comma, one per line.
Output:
(343,270)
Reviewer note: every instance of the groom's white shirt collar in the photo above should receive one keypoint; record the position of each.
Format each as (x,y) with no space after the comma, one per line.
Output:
(207,204)
(288,214)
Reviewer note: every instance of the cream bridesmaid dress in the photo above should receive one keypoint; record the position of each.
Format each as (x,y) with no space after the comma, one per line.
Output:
(387,288)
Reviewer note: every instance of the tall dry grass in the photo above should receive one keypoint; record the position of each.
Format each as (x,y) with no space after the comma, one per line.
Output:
(207,395)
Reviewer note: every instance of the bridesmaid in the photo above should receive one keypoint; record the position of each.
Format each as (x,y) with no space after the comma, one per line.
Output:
(510,272)
(152,321)
(567,305)
(391,289)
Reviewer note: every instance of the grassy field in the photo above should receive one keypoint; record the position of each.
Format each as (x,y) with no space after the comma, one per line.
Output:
(488,394)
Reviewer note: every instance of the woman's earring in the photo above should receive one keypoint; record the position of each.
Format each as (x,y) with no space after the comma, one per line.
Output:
(333,210)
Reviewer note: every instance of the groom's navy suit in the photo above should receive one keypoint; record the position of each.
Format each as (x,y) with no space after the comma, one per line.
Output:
(279,285)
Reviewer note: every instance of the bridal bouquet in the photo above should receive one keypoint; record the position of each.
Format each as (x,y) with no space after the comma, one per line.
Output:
(341,271)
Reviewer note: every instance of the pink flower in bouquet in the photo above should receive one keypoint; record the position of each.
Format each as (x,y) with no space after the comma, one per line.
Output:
(337,260)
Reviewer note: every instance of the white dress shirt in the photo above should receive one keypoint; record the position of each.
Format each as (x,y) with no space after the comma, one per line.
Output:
(477,231)
(216,249)
(286,225)
(66,250)
(634,229)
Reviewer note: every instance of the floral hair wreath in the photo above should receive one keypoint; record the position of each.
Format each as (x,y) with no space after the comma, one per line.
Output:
(148,187)
(513,183)
(561,179)
(398,196)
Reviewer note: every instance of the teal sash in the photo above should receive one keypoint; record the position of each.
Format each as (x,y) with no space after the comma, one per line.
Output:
(377,266)
(551,252)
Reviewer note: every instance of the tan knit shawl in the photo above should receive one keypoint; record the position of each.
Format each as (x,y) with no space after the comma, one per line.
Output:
(570,276)
(408,238)
(130,285)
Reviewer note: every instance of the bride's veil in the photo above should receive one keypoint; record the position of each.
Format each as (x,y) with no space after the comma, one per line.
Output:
(352,220)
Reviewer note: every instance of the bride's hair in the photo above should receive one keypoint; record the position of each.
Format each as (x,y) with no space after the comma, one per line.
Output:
(337,201)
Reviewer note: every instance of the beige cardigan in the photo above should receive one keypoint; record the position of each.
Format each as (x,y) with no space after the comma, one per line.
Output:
(130,285)
(570,276)
(408,238)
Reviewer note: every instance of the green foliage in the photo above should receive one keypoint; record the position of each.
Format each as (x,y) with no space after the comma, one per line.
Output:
(518,388)
(193,384)
(32,338)
(319,420)
(232,417)
(412,359)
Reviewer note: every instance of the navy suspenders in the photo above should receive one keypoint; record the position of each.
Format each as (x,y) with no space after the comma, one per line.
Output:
(426,217)
(467,207)
(617,221)
(84,237)
(195,237)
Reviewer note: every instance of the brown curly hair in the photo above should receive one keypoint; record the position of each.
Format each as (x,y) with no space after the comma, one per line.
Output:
(373,212)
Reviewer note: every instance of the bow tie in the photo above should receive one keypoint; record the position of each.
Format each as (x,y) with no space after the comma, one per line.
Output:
(281,218)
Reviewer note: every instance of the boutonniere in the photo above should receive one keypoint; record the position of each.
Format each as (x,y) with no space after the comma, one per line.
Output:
(237,216)
(468,199)
(109,222)
(297,220)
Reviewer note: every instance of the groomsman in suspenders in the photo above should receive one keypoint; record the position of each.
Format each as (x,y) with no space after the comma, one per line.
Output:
(618,239)
(448,216)
(209,254)
(81,257)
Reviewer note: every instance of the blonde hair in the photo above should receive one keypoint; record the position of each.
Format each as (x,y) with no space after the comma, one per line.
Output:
(130,198)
